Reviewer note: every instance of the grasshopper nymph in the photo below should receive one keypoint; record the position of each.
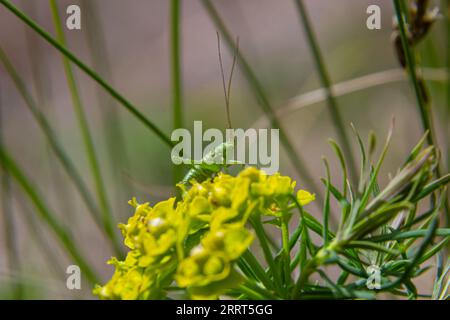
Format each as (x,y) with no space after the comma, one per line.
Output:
(218,159)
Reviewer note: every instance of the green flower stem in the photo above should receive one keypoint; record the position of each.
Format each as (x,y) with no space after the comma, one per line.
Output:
(260,94)
(309,268)
(286,250)
(312,265)
(177,103)
(285,236)
(69,55)
(326,82)
(107,216)
(47,215)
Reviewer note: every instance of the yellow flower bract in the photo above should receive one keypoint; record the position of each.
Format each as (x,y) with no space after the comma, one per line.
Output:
(195,243)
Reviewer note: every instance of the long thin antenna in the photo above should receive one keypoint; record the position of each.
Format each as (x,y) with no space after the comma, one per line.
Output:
(236,51)
(227,89)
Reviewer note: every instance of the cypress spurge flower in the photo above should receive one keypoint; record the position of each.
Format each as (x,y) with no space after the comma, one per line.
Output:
(197,242)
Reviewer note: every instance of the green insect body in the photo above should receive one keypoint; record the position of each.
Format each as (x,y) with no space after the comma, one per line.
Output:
(211,164)
(218,159)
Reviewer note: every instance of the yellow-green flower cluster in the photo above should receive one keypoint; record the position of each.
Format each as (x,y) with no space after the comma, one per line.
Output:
(197,241)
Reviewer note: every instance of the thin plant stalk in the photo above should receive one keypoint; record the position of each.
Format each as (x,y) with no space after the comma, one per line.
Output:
(40,75)
(381,78)
(426,116)
(333,107)
(112,126)
(447,126)
(446,6)
(424,108)
(9,226)
(36,232)
(107,215)
(92,74)
(52,140)
(177,98)
(39,66)
(262,98)
(61,232)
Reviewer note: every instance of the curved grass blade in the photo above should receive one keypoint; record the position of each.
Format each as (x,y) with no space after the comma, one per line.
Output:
(52,139)
(107,215)
(110,116)
(425,112)
(61,232)
(69,55)
(175,50)
(9,224)
(326,82)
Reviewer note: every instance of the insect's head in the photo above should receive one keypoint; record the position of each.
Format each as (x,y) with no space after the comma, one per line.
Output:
(222,152)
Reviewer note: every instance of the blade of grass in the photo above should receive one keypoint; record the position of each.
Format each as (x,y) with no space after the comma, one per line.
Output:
(447,61)
(175,50)
(426,116)
(107,215)
(262,98)
(424,108)
(52,138)
(11,244)
(326,83)
(42,83)
(35,228)
(61,232)
(69,55)
(347,87)
(110,116)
